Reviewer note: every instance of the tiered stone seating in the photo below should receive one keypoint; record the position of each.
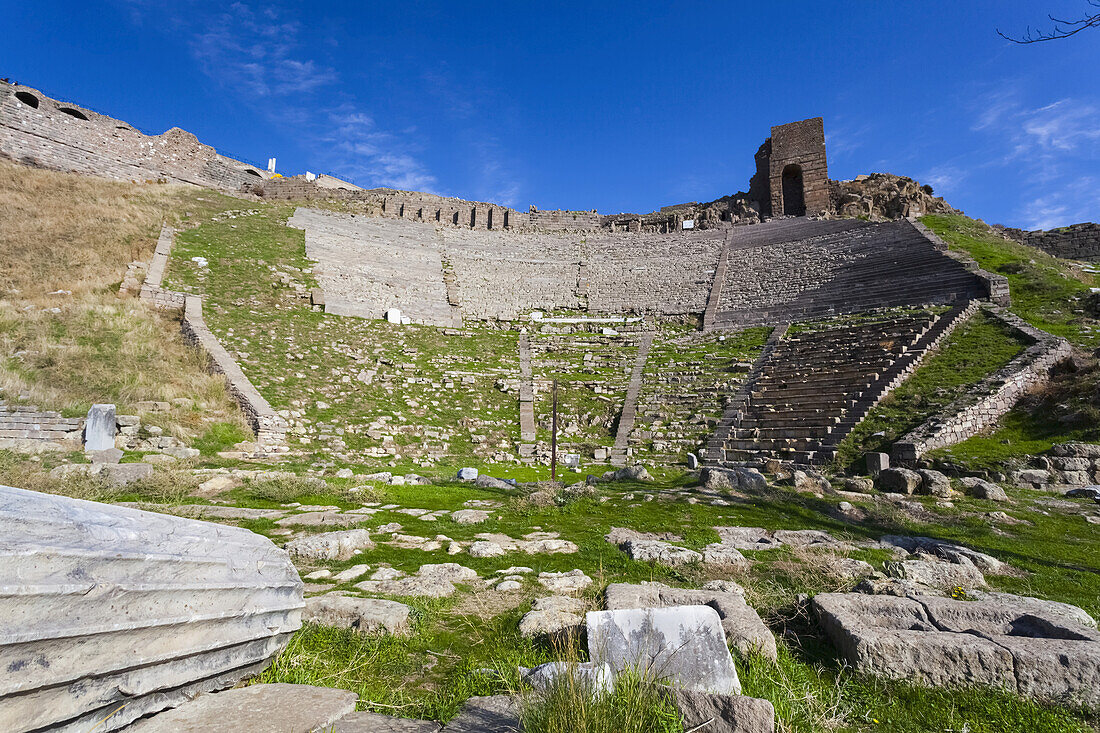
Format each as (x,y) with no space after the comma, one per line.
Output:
(864,267)
(814,387)
(368,265)
(650,273)
(507,274)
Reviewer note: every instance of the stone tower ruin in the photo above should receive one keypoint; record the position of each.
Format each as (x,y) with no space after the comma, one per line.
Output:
(792,176)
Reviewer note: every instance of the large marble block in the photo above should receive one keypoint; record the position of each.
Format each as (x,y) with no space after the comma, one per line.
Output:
(112,613)
(100,428)
(682,645)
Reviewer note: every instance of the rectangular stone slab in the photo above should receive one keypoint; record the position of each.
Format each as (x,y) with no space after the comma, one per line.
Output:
(682,645)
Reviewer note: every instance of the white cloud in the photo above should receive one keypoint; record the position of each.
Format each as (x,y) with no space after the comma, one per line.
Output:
(1050,148)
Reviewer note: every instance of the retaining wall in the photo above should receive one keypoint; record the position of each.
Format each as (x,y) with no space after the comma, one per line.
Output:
(270,428)
(991,398)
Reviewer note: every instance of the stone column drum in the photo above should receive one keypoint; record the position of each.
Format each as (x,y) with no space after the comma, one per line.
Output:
(109,613)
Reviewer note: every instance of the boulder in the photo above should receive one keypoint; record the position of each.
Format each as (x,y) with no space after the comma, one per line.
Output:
(191,607)
(629,473)
(1076,450)
(215,486)
(723,713)
(366,615)
(275,707)
(682,645)
(939,574)
(432,581)
(732,479)
(111,455)
(859,484)
(898,481)
(1031,477)
(100,428)
(945,642)
(330,545)
(1084,492)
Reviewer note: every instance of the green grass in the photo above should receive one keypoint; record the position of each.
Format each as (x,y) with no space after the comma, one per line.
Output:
(1065,409)
(975,350)
(1046,291)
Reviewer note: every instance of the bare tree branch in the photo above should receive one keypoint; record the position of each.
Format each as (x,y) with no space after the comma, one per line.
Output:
(1062,28)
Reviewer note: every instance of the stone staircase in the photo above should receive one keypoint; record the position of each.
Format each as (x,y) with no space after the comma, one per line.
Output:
(619,451)
(809,390)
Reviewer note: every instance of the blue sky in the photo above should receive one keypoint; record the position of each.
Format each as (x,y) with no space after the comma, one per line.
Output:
(620,107)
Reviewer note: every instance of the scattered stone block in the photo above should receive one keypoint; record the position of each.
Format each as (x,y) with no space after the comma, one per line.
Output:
(330,545)
(100,428)
(723,713)
(942,641)
(276,707)
(367,615)
(572,581)
(898,481)
(433,581)
(682,645)
(488,482)
(467,474)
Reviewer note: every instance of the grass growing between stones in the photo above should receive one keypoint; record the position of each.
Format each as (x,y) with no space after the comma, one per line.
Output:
(1046,291)
(973,351)
(634,705)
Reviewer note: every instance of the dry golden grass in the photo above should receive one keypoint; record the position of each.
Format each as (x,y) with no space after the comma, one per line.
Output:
(63,231)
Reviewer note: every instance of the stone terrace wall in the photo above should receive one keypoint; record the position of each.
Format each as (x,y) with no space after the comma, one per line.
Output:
(426,207)
(1076,242)
(40,131)
(991,398)
(270,428)
(151,289)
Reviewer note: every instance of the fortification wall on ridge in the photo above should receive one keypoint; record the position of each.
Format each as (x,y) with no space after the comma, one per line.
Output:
(1075,242)
(44,132)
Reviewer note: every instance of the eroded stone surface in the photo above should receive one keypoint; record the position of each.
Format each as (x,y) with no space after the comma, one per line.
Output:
(367,615)
(942,641)
(724,713)
(497,714)
(553,615)
(330,545)
(275,708)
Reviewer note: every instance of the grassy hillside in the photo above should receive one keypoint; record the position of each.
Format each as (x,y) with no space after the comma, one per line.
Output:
(67,350)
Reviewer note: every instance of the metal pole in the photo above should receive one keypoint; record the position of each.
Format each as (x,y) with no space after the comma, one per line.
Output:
(554,437)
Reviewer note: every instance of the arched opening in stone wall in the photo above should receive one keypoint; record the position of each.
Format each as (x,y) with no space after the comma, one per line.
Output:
(794,196)
(251,172)
(27,98)
(73,113)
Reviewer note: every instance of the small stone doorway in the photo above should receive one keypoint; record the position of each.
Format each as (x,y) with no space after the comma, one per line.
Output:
(794,196)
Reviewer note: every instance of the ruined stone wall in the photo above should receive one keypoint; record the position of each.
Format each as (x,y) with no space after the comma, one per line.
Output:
(991,398)
(40,131)
(269,427)
(799,144)
(1076,242)
(563,220)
